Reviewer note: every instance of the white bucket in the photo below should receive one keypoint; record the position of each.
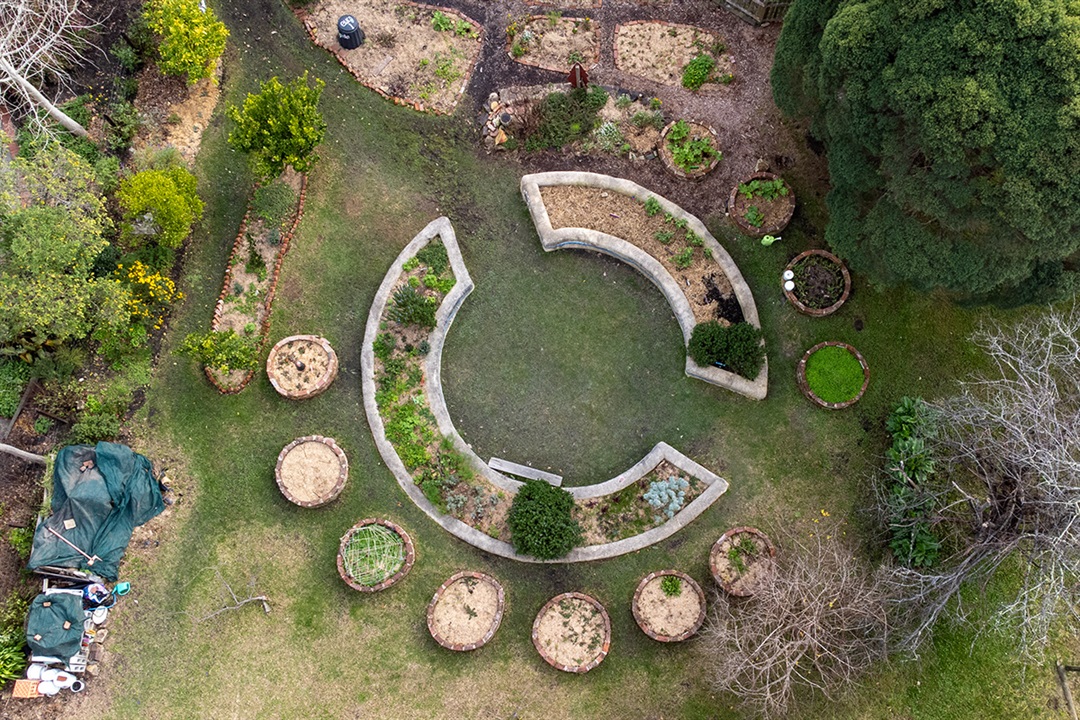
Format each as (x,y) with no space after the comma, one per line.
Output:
(64,680)
(47,688)
(49,675)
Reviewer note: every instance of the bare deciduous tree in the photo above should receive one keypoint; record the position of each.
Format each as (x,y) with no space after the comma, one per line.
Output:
(38,41)
(820,625)
(1008,485)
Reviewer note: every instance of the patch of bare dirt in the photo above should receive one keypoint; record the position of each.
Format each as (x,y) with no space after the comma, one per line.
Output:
(571,632)
(659,51)
(704,282)
(553,42)
(668,615)
(174,114)
(403,55)
(465,611)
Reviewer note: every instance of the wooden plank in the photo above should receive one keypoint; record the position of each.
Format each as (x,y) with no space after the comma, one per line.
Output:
(28,456)
(524,471)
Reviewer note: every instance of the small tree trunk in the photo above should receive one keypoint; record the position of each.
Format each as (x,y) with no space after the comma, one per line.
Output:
(54,112)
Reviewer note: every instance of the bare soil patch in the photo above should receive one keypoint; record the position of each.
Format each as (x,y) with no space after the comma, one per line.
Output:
(403,55)
(669,615)
(567,4)
(554,43)
(174,114)
(571,631)
(465,611)
(704,282)
(659,51)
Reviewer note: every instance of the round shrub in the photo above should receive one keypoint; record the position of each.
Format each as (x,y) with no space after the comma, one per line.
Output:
(160,205)
(736,347)
(834,374)
(541,521)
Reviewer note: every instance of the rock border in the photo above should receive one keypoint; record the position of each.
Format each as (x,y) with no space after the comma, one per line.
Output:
(343,473)
(605,648)
(239,246)
(643,624)
(441,227)
(305,20)
(667,157)
(499,611)
(647,265)
(410,555)
(320,385)
(806,309)
(726,586)
(804,386)
(740,222)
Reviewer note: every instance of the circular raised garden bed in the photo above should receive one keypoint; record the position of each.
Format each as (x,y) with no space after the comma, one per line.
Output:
(311,471)
(677,149)
(833,375)
(374,554)
(668,605)
(822,283)
(741,561)
(466,611)
(761,204)
(301,366)
(572,632)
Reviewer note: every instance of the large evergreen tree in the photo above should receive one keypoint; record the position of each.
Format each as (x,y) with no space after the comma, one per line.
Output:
(953,136)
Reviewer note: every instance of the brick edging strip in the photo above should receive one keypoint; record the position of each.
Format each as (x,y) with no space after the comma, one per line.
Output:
(268,302)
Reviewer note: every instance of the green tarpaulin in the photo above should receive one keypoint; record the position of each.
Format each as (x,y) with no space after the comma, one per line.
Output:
(46,633)
(100,494)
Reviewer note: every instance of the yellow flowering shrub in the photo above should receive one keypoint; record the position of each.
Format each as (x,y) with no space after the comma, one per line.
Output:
(151,294)
(191,40)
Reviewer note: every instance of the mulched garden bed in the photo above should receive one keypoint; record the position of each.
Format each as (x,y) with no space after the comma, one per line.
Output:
(759,214)
(419,55)
(741,561)
(821,282)
(659,51)
(311,471)
(669,606)
(703,281)
(466,611)
(247,293)
(626,513)
(572,632)
(682,151)
(301,366)
(553,42)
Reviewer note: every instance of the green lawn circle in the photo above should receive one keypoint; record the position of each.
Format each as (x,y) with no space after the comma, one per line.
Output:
(834,374)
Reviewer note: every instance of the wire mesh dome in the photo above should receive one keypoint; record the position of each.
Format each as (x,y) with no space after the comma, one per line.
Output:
(374,554)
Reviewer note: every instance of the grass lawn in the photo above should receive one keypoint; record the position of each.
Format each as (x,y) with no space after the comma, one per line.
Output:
(565,361)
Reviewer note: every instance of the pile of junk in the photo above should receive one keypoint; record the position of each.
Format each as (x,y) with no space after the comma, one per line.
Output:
(100,494)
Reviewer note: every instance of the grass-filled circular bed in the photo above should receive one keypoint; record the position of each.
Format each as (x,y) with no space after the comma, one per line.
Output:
(833,375)
(374,554)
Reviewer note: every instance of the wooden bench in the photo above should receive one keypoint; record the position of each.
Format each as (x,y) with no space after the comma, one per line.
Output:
(524,471)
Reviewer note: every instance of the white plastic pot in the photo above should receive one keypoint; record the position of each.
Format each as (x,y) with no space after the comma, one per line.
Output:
(34,671)
(65,680)
(49,674)
(46,687)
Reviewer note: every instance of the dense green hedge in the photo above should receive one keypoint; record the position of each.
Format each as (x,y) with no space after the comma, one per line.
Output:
(737,347)
(541,521)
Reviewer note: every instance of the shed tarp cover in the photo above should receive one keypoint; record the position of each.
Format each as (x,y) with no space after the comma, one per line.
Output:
(97,508)
(46,619)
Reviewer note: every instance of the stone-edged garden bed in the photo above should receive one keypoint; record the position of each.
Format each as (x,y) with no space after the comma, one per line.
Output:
(553,42)
(301,366)
(689,149)
(660,51)
(374,554)
(761,204)
(247,292)
(661,240)
(742,561)
(432,463)
(572,632)
(417,55)
(638,507)
(466,611)
(833,375)
(668,605)
(311,471)
(569,4)
(820,282)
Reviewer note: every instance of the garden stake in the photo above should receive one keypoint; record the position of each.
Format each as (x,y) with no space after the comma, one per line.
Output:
(76,548)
